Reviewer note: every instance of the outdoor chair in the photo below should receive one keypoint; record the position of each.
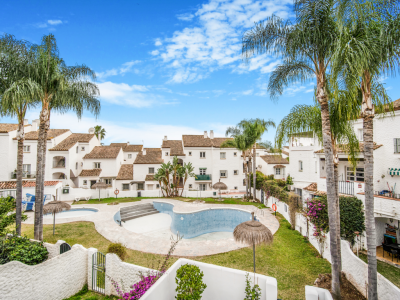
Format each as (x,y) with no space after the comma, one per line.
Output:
(388,250)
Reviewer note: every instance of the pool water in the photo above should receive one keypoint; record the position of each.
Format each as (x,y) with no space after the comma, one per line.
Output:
(72,213)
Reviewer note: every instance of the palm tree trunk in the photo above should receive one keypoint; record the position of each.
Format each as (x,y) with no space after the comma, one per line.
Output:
(20,159)
(254,171)
(249,179)
(336,174)
(330,186)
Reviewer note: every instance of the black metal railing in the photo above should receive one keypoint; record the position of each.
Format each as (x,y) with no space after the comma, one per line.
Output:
(25,174)
(346,187)
(64,247)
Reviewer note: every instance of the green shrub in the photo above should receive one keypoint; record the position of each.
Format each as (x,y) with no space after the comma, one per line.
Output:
(189,280)
(252,293)
(21,249)
(280,182)
(118,249)
(7,214)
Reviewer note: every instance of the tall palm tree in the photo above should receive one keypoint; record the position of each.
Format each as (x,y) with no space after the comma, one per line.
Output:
(100,132)
(369,40)
(306,47)
(60,88)
(16,96)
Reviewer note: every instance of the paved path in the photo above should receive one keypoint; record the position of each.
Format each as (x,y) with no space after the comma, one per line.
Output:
(159,241)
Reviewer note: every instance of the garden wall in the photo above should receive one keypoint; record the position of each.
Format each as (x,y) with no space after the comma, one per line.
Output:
(355,269)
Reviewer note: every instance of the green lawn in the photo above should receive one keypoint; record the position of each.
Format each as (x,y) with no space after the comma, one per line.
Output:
(290,259)
(390,272)
(85,294)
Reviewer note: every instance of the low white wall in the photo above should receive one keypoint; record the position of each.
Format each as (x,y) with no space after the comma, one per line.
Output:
(315,293)
(56,278)
(222,283)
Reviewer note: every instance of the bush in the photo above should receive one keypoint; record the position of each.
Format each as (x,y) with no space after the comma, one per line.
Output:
(118,249)
(189,280)
(252,293)
(21,249)
(7,214)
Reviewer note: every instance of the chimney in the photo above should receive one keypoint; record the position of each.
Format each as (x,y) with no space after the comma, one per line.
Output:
(91,130)
(165,138)
(211,134)
(35,125)
(127,143)
(144,151)
(205,134)
(26,122)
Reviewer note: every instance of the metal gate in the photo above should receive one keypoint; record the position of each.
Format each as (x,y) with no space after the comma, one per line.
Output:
(262,197)
(64,247)
(98,272)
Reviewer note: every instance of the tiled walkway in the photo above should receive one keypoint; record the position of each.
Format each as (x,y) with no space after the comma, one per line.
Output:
(159,241)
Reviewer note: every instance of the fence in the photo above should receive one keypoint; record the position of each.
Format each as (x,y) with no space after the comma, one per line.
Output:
(346,187)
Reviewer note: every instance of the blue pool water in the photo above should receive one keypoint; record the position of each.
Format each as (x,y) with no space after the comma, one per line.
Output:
(205,221)
(75,212)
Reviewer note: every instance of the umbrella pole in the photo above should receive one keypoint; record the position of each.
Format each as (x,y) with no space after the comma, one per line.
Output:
(99,194)
(54,222)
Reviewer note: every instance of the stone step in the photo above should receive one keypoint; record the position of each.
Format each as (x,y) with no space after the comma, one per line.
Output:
(142,209)
(131,217)
(137,212)
(136,207)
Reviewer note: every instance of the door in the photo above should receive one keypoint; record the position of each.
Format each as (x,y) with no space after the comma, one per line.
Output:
(92,182)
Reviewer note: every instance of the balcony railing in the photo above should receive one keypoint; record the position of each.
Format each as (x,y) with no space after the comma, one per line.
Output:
(205,177)
(58,164)
(346,187)
(25,174)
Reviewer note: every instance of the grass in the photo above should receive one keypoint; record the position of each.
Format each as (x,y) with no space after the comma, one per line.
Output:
(291,259)
(390,272)
(85,294)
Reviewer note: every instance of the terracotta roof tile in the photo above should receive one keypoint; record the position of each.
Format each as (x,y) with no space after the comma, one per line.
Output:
(285,152)
(201,141)
(217,142)
(274,159)
(176,147)
(313,187)
(103,152)
(71,140)
(279,166)
(342,148)
(25,183)
(150,178)
(33,135)
(153,156)
(7,127)
(128,148)
(90,172)
(125,172)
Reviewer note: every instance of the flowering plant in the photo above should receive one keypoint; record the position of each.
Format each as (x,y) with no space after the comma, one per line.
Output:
(138,289)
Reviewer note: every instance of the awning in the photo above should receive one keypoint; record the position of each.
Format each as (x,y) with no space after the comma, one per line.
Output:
(279,166)
(133,182)
(394,171)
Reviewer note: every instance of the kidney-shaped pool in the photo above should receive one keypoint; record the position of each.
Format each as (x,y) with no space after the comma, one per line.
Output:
(72,213)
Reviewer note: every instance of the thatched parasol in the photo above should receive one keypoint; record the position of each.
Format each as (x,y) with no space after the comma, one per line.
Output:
(100,185)
(220,186)
(54,207)
(253,232)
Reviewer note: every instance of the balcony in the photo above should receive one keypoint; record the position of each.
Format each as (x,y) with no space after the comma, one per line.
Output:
(25,174)
(346,187)
(58,162)
(205,177)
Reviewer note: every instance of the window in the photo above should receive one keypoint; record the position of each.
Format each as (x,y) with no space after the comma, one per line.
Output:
(190,153)
(26,169)
(85,182)
(157,186)
(125,186)
(300,166)
(76,166)
(190,186)
(358,175)
(203,187)
(129,156)
(234,154)
(223,173)
(97,165)
(396,145)
(222,155)
(140,186)
(82,148)
(277,171)
(235,187)
(235,172)
(77,149)
(108,181)
(360,135)
(27,148)
(202,155)
(316,167)
(203,171)
(151,170)
(166,153)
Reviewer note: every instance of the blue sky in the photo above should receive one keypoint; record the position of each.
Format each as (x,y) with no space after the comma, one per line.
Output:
(164,67)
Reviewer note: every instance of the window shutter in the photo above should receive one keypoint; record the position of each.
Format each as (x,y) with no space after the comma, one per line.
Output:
(395,145)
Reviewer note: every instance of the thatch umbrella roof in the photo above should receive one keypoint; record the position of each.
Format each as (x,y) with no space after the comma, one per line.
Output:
(220,186)
(253,233)
(54,207)
(100,185)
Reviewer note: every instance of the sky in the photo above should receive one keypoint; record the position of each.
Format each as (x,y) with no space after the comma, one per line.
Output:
(163,67)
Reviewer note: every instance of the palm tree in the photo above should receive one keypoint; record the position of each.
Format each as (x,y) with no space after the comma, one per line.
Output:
(306,48)
(16,96)
(369,40)
(100,132)
(60,88)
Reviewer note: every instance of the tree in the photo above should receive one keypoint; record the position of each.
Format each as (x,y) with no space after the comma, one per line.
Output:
(7,214)
(99,132)
(369,46)
(60,88)
(306,48)
(16,96)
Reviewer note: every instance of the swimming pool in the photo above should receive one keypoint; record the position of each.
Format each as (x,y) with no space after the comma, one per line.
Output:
(72,213)
(204,221)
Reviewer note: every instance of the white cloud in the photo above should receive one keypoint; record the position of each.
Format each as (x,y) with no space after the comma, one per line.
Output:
(125,68)
(54,22)
(155,52)
(216,41)
(158,42)
(49,23)
(185,17)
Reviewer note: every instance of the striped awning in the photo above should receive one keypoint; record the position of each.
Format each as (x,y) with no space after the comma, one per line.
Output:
(394,171)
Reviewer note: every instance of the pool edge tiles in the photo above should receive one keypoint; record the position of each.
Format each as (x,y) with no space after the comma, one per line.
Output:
(202,221)
(62,215)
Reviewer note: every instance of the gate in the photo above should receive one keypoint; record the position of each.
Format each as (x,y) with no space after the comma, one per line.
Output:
(64,247)
(262,196)
(98,272)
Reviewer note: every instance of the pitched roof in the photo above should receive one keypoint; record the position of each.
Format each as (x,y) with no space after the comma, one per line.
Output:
(274,159)
(285,152)
(25,183)
(128,148)
(150,178)
(176,147)
(71,140)
(343,148)
(153,156)
(52,133)
(7,127)
(125,172)
(217,142)
(90,172)
(103,152)
(313,187)
(201,141)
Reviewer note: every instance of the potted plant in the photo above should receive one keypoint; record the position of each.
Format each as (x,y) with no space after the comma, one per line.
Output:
(189,280)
